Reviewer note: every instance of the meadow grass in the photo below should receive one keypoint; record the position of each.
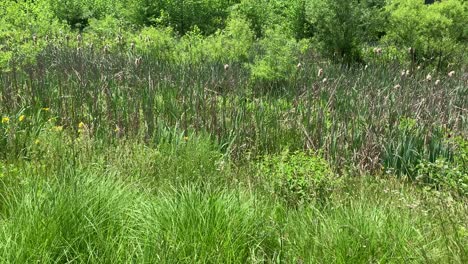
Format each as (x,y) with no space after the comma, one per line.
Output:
(130,202)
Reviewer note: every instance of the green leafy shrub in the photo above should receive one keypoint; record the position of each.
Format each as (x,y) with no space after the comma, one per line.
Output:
(233,44)
(276,60)
(107,31)
(77,13)
(24,28)
(342,27)
(436,32)
(256,12)
(298,178)
(263,14)
(158,43)
(181,15)
(442,173)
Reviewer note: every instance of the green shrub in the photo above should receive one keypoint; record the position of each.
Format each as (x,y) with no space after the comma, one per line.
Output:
(77,13)
(264,14)
(436,32)
(107,31)
(24,27)
(182,15)
(342,27)
(277,58)
(233,44)
(444,174)
(158,43)
(298,178)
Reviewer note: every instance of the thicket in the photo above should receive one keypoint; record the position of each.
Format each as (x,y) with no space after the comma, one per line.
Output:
(353,31)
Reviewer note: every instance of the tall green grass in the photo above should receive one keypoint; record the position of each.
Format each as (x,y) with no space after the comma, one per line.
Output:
(91,212)
(355,117)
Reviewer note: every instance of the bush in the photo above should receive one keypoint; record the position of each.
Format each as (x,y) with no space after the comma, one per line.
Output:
(182,15)
(298,178)
(445,174)
(159,43)
(343,26)
(436,32)
(442,174)
(233,44)
(264,14)
(77,13)
(277,59)
(23,29)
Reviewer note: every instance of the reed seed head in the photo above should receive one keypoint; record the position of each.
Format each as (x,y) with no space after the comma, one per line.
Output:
(429,77)
(138,62)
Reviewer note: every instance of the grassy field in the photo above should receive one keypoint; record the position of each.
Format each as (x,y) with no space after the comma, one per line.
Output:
(106,160)
(233,131)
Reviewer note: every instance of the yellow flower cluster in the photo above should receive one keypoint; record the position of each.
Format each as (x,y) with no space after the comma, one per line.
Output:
(57,128)
(5,120)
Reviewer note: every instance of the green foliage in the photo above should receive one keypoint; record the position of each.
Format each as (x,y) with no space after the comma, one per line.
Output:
(342,27)
(93,202)
(443,174)
(265,14)
(107,32)
(436,32)
(24,26)
(77,13)
(410,144)
(158,43)
(298,178)
(277,60)
(233,44)
(130,138)
(190,159)
(223,227)
(182,15)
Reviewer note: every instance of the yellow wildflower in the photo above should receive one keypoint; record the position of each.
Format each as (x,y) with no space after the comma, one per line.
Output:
(21,118)
(81,125)
(185,138)
(37,142)
(117,129)
(58,128)
(5,120)
(46,109)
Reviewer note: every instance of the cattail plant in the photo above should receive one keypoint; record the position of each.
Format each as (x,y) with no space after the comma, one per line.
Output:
(429,77)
